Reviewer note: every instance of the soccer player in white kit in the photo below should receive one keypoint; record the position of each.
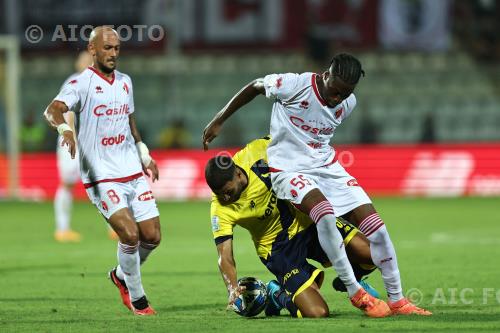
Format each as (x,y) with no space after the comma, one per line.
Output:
(68,168)
(111,153)
(304,170)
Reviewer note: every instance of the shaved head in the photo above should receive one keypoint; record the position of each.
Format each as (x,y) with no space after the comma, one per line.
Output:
(101,33)
(104,46)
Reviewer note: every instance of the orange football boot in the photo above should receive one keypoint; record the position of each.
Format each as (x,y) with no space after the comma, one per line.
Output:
(371,306)
(149,311)
(122,287)
(405,307)
(146,309)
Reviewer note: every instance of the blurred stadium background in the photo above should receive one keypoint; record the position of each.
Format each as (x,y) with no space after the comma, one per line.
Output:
(427,124)
(432,78)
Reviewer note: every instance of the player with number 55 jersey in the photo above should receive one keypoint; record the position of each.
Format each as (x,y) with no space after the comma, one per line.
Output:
(307,109)
(113,160)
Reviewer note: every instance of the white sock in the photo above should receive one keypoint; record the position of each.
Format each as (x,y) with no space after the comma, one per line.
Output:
(383,254)
(63,202)
(145,250)
(119,273)
(128,259)
(332,243)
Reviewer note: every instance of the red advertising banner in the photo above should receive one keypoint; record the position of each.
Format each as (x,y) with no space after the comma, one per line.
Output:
(406,170)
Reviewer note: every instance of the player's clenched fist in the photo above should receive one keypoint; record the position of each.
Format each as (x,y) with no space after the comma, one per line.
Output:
(234,293)
(153,168)
(210,132)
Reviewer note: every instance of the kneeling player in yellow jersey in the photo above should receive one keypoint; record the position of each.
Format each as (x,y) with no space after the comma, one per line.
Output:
(283,236)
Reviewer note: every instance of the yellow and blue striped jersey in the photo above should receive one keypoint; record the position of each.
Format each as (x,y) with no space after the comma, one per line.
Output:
(270,221)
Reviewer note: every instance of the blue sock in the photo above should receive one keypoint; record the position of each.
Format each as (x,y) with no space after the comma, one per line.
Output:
(285,301)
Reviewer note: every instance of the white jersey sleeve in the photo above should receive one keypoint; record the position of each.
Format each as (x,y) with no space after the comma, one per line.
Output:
(127,85)
(281,86)
(69,95)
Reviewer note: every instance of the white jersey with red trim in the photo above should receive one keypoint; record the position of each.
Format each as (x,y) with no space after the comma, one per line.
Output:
(301,122)
(106,147)
(66,114)
(69,79)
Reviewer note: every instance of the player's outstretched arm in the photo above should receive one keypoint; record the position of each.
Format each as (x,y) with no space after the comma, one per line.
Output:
(54,116)
(244,96)
(147,161)
(227,268)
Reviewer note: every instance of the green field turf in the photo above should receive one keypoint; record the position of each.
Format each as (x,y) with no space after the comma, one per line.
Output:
(446,247)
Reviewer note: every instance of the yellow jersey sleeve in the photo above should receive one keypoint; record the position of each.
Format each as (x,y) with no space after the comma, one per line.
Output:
(253,152)
(222,222)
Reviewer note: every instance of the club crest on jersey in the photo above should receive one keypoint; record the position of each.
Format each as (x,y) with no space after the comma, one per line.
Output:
(98,90)
(338,113)
(294,193)
(146,196)
(279,82)
(125,87)
(304,105)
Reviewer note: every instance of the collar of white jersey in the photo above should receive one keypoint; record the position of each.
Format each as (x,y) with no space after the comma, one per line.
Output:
(93,69)
(316,91)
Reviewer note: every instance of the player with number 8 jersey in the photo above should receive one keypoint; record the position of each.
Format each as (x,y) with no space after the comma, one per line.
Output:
(112,160)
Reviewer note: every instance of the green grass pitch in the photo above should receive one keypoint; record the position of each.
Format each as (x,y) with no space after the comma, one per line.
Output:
(449,249)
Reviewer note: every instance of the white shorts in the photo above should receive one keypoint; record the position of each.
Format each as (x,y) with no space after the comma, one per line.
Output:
(337,185)
(69,169)
(135,195)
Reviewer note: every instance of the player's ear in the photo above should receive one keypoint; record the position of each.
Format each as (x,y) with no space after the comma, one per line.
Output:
(238,173)
(91,49)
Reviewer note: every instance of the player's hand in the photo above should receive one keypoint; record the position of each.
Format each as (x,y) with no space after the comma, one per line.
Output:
(69,140)
(210,132)
(152,171)
(234,293)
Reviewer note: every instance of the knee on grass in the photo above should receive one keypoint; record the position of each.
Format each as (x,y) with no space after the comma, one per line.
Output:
(315,312)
